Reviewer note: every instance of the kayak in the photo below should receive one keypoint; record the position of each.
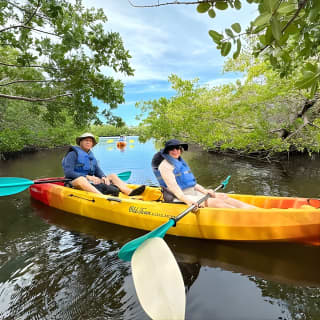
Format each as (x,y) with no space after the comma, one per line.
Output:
(276,218)
(121,144)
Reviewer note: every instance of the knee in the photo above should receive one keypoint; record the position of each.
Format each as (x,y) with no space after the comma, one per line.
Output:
(79,181)
(222,196)
(216,203)
(112,176)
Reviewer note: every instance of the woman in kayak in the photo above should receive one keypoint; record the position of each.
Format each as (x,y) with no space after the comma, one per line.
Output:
(174,174)
(80,165)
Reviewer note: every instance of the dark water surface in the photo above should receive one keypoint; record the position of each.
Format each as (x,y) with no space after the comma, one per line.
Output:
(55,265)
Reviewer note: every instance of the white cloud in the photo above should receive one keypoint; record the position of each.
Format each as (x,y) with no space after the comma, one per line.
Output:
(168,40)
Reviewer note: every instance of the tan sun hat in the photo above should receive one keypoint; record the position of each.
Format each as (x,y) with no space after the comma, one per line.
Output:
(86,135)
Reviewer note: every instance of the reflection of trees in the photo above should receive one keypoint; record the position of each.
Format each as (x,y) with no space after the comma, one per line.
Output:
(68,277)
(303,303)
(190,272)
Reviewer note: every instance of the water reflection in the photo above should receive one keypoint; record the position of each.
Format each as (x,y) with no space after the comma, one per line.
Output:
(55,265)
(277,270)
(61,274)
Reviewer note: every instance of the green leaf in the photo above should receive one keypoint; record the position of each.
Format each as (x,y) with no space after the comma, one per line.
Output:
(262,19)
(216,37)
(314,87)
(268,35)
(285,7)
(221,5)
(276,28)
(229,33)
(311,67)
(237,4)
(211,13)
(270,5)
(308,79)
(313,15)
(236,27)
(226,47)
(203,7)
(237,52)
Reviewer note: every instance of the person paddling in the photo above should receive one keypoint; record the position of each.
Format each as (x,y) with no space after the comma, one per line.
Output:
(175,176)
(80,165)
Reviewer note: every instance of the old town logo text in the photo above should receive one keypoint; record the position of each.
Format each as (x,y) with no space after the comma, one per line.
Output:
(139,210)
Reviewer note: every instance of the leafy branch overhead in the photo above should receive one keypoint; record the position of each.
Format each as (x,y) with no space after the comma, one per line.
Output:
(70,53)
(286,32)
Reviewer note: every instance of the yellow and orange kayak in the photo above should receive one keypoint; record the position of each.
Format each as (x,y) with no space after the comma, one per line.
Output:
(121,144)
(276,219)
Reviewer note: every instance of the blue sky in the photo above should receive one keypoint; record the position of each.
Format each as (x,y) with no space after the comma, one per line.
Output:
(167,40)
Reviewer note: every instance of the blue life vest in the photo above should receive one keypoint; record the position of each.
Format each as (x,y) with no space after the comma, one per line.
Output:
(86,162)
(182,172)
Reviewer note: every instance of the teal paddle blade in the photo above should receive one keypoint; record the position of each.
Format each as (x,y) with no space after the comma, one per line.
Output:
(10,185)
(127,251)
(124,176)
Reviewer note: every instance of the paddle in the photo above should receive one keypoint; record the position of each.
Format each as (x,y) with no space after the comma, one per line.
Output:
(129,248)
(11,185)
(158,280)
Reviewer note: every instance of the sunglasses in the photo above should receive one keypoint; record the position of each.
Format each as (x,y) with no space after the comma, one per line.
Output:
(174,147)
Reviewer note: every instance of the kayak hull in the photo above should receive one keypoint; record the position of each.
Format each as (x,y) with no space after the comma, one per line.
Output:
(276,219)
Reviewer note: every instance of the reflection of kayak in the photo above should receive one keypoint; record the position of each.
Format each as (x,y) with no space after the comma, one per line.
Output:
(277,219)
(280,262)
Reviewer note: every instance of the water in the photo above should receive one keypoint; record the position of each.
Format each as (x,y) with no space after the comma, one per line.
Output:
(55,265)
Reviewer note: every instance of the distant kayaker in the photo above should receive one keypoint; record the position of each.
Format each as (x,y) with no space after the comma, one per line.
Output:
(179,183)
(80,165)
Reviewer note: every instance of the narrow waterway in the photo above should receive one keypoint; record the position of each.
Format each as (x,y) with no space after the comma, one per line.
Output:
(55,265)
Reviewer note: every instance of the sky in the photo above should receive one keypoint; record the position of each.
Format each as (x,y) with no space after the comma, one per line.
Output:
(167,40)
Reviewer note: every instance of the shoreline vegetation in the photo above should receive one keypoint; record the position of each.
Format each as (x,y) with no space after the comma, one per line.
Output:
(49,88)
(100,131)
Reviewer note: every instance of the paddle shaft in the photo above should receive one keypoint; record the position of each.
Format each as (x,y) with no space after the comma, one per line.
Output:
(129,248)
(51,181)
(207,196)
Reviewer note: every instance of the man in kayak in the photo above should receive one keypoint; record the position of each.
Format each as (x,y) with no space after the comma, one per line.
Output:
(80,165)
(177,180)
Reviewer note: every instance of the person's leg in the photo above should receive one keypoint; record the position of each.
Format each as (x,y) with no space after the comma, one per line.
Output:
(123,186)
(234,203)
(217,203)
(210,202)
(83,184)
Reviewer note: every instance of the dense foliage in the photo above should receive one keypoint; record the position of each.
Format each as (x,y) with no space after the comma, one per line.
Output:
(56,54)
(264,115)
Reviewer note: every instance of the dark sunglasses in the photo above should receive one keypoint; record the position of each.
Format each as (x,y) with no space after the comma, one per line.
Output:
(175,147)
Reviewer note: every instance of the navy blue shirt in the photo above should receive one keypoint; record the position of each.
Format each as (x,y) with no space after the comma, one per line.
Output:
(70,163)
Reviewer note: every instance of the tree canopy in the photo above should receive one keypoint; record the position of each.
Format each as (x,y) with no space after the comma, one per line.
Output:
(285,32)
(264,116)
(57,55)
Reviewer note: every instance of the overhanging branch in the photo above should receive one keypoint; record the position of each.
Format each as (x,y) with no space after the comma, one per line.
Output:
(27,27)
(28,81)
(34,99)
(168,3)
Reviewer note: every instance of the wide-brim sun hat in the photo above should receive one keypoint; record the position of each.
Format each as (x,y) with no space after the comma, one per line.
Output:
(86,135)
(174,143)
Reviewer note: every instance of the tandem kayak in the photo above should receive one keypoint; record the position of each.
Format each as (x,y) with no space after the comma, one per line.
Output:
(276,218)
